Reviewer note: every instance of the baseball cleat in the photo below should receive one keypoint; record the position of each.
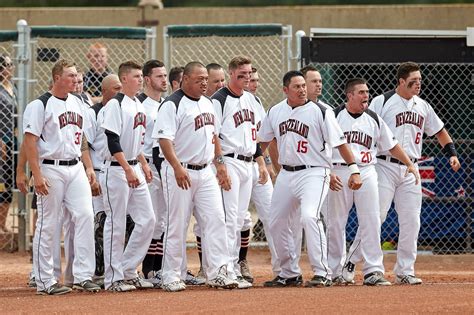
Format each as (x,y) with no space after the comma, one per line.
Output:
(201,276)
(409,279)
(192,280)
(279,282)
(86,285)
(222,281)
(32,282)
(121,286)
(55,289)
(99,280)
(318,281)
(139,283)
(340,281)
(242,283)
(376,279)
(174,286)
(348,272)
(245,270)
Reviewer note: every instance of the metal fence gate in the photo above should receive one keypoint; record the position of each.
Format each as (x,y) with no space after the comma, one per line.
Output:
(34,50)
(448,85)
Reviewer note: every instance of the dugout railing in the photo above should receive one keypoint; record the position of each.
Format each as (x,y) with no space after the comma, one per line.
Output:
(34,50)
(447,66)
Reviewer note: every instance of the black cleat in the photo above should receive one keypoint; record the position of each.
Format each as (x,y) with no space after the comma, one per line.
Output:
(280,282)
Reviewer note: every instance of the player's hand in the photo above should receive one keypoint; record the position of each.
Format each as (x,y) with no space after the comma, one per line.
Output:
(262,175)
(41,185)
(454,162)
(271,172)
(222,177)
(147,172)
(412,169)
(182,177)
(335,182)
(91,176)
(96,190)
(22,181)
(354,182)
(132,178)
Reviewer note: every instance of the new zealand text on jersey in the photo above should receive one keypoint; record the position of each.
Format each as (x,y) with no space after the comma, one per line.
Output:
(242,116)
(293,125)
(410,118)
(139,120)
(359,138)
(203,120)
(70,118)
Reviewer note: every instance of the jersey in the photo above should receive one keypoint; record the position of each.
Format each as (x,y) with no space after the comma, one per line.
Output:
(58,123)
(125,117)
(191,124)
(408,120)
(151,110)
(95,135)
(238,117)
(365,133)
(302,133)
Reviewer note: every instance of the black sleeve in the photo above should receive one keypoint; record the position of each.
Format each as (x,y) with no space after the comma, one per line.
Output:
(113,142)
(258,152)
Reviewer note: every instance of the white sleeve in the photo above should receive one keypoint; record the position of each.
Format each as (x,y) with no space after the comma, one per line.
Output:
(332,132)
(218,111)
(386,140)
(433,123)
(112,118)
(266,132)
(377,104)
(166,122)
(90,129)
(33,118)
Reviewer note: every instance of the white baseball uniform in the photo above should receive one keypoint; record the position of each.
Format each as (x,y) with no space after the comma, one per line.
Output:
(126,118)
(59,123)
(302,184)
(365,133)
(408,120)
(191,125)
(238,117)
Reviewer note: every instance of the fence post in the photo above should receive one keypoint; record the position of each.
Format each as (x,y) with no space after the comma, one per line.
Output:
(23,59)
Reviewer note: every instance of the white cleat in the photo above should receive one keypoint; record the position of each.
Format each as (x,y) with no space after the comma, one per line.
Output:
(348,272)
(409,279)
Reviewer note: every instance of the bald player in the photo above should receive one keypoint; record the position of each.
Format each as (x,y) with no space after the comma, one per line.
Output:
(111,85)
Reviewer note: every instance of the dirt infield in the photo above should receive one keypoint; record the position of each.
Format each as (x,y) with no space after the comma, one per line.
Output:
(448,287)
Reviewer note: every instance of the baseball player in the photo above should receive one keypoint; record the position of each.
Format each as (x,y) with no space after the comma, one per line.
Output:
(53,127)
(408,117)
(187,129)
(238,114)
(123,183)
(175,77)
(97,142)
(301,128)
(154,74)
(366,133)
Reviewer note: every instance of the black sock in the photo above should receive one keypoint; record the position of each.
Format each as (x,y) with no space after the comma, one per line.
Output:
(149,260)
(244,244)
(159,254)
(198,241)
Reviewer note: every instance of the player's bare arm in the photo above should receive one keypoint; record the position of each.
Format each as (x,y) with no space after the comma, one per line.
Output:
(335,182)
(355,181)
(132,178)
(21,178)
(182,177)
(400,154)
(273,152)
(87,161)
(145,168)
(40,183)
(446,142)
(221,170)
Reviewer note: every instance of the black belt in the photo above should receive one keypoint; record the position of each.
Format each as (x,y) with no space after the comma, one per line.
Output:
(62,162)
(394,160)
(131,162)
(339,164)
(97,169)
(149,160)
(296,168)
(194,167)
(240,157)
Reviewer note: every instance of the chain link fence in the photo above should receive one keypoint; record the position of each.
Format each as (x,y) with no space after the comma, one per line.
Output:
(36,52)
(446,217)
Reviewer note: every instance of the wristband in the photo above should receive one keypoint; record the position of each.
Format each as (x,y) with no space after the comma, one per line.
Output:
(450,150)
(354,169)
(268,160)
